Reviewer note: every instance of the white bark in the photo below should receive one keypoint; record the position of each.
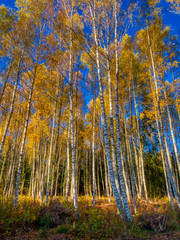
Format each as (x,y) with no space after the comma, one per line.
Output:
(161,134)
(24,138)
(93,151)
(112,130)
(43,173)
(6,80)
(171,130)
(105,128)
(122,184)
(72,124)
(68,164)
(11,109)
(51,150)
(106,177)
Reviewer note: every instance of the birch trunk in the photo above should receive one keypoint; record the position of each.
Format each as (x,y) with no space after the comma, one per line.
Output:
(105,128)
(112,128)
(106,177)
(57,174)
(171,129)
(72,124)
(21,155)
(68,164)
(57,146)
(142,182)
(93,151)
(5,80)
(122,184)
(127,160)
(12,177)
(131,149)
(43,173)
(33,171)
(55,155)
(160,128)
(101,174)
(11,110)
(51,151)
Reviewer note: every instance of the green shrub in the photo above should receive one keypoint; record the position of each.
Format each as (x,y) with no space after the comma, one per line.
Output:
(45,221)
(63,229)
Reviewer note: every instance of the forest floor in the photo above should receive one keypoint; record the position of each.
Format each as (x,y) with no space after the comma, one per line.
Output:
(154,220)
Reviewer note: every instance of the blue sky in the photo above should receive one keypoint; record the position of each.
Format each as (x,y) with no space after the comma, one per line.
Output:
(169,18)
(8,3)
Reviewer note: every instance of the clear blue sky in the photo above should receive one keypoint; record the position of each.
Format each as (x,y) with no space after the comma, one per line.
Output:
(8,3)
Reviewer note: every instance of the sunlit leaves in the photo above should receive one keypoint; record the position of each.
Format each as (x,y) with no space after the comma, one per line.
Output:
(175,5)
(6,20)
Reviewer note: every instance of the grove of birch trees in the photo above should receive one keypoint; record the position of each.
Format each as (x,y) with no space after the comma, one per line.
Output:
(89,101)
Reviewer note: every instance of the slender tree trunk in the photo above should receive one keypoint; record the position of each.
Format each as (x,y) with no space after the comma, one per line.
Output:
(170,174)
(171,129)
(57,174)
(105,128)
(131,149)
(142,180)
(93,151)
(6,80)
(137,167)
(112,127)
(122,185)
(43,173)
(101,174)
(86,170)
(106,177)
(98,181)
(68,163)
(161,129)
(50,152)
(33,171)
(72,124)
(12,178)
(168,186)
(21,155)
(7,172)
(127,161)
(11,110)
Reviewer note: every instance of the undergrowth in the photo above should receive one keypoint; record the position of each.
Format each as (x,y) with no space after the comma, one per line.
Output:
(99,222)
(20,218)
